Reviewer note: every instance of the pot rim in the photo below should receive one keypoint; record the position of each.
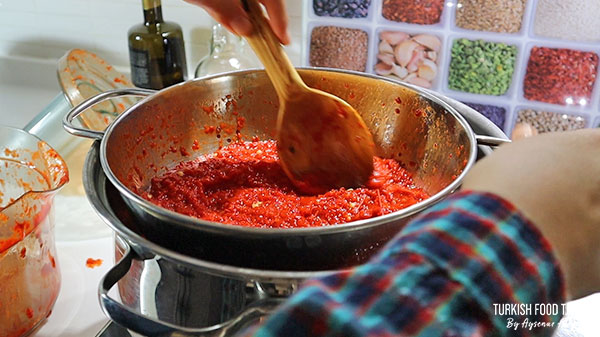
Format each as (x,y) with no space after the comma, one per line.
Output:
(194,223)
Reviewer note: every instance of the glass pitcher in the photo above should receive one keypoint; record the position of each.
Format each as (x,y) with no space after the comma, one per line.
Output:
(31,173)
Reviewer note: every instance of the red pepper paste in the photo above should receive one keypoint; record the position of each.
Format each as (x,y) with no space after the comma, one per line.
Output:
(93,263)
(243,184)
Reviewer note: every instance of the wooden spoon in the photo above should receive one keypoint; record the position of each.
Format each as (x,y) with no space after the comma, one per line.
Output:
(322,142)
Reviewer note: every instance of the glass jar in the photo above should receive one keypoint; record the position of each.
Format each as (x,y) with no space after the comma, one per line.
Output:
(31,173)
(228,52)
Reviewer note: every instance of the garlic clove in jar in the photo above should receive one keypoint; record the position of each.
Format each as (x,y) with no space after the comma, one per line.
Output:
(399,71)
(393,38)
(432,55)
(409,77)
(404,52)
(427,70)
(386,58)
(419,81)
(385,47)
(429,41)
(417,57)
(383,68)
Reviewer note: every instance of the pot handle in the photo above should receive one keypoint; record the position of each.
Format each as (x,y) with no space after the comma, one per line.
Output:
(81,107)
(491,141)
(150,326)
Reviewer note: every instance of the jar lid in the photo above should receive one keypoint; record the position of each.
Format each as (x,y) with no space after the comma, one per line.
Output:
(82,74)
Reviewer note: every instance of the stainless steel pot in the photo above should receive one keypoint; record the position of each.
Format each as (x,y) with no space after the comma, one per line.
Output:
(409,124)
(172,292)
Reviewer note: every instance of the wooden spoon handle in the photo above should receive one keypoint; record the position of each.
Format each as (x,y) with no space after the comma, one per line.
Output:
(266,45)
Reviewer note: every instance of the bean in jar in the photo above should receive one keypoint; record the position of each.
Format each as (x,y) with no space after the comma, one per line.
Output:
(495,114)
(339,47)
(342,8)
(547,121)
(481,67)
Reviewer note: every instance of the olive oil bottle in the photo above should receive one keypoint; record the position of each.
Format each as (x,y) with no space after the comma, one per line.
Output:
(156,50)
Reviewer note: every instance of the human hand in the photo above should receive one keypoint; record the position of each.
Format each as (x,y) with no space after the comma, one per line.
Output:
(231,14)
(554,179)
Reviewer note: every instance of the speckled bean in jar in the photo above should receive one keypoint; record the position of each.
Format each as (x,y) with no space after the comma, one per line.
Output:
(501,16)
(339,47)
(546,121)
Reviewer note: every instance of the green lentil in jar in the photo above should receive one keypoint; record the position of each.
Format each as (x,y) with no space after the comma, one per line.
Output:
(481,67)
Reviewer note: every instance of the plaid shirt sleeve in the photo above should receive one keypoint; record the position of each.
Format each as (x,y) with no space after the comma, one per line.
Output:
(441,276)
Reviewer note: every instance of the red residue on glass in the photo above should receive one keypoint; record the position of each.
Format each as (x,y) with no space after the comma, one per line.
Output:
(196,145)
(93,263)
(341,111)
(23,252)
(52,260)
(29,312)
(183,151)
(227,128)
(18,233)
(208,129)
(240,123)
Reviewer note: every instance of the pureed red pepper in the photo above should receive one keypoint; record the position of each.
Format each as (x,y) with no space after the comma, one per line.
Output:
(243,184)
(560,76)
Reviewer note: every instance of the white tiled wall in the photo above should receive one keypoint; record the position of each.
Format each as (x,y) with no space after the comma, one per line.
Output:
(48,28)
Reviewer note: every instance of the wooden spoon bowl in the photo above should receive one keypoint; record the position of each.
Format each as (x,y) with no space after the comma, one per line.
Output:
(323,143)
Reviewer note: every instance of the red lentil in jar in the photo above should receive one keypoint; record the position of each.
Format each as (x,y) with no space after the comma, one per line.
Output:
(560,76)
(423,12)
